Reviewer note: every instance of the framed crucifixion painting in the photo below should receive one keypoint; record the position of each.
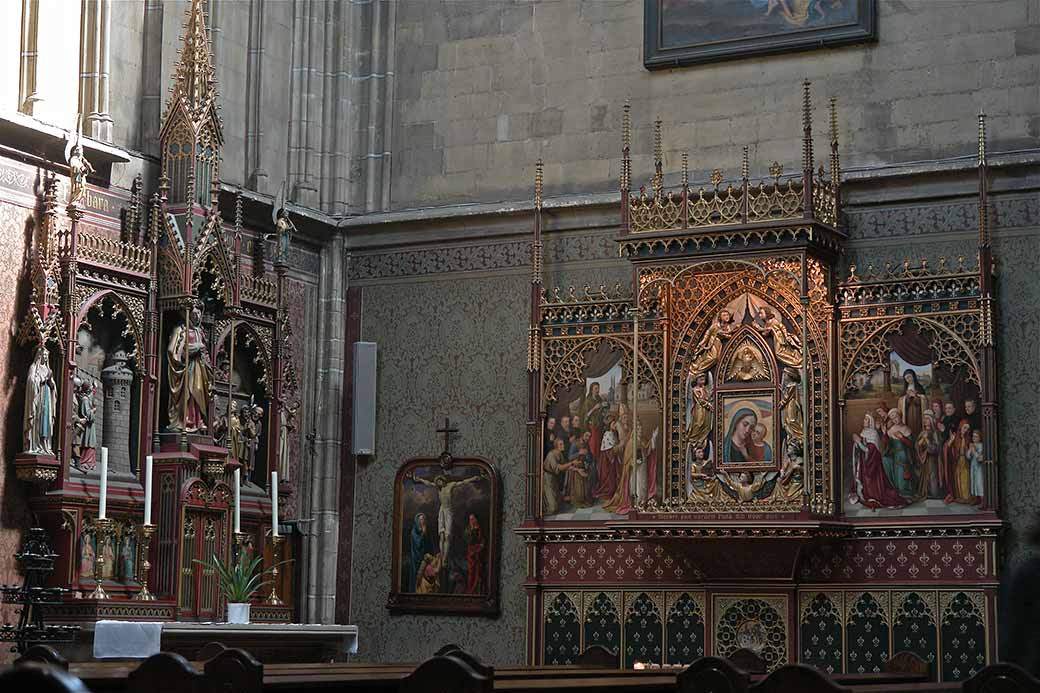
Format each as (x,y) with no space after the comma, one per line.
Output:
(681,32)
(446,532)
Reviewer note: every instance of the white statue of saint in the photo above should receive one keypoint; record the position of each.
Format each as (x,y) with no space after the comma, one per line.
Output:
(40,405)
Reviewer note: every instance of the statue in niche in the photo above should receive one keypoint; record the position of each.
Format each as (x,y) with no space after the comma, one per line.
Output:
(791,405)
(86,553)
(79,169)
(286,425)
(747,364)
(190,375)
(228,429)
(710,347)
(699,416)
(283,227)
(128,555)
(40,404)
(251,421)
(84,445)
(788,348)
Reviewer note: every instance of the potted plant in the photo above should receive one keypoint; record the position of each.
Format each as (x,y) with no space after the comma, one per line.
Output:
(239,581)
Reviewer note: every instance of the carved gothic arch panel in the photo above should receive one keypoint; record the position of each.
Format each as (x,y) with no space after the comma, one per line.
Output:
(131,308)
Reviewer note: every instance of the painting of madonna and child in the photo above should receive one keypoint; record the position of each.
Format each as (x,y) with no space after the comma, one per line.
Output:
(446,532)
(600,461)
(913,442)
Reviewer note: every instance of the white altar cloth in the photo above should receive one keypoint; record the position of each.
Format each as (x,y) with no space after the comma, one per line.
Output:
(126,639)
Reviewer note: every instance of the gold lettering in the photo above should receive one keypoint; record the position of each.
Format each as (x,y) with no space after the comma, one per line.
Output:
(96,201)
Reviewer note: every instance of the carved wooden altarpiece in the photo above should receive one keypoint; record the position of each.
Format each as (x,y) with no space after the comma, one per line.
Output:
(119,305)
(742,450)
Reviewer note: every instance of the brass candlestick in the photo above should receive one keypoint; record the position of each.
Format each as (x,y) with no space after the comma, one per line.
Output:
(102,528)
(276,551)
(144,533)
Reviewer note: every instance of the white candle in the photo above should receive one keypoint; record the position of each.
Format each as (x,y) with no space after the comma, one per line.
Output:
(148,490)
(274,504)
(238,500)
(103,503)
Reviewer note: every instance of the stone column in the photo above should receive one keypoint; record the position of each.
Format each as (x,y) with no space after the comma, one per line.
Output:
(117,379)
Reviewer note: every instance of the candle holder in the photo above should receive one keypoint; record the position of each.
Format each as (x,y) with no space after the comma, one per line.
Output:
(102,528)
(276,551)
(241,542)
(144,533)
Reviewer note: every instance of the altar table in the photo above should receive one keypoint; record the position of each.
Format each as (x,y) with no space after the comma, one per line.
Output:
(269,642)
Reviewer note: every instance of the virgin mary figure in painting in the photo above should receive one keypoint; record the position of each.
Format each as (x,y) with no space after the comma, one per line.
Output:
(737,447)
(475,550)
(957,467)
(929,451)
(913,403)
(898,454)
(871,485)
(191,376)
(40,397)
(419,544)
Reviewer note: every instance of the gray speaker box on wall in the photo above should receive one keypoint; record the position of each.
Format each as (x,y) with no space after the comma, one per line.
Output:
(364,398)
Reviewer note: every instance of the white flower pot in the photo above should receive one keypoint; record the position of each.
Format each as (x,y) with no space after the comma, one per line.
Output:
(237,612)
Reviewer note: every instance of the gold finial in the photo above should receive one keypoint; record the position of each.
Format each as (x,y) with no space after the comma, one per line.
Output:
(685,168)
(982,139)
(716,177)
(807,143)
(626,146)
(538,184)
(658,184)
(776,169)
(744,164)
(835,157)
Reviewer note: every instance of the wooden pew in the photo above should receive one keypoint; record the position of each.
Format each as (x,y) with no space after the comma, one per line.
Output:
(38,677)
(746,660)
(712,675)
(1002,678)
(799,678)
(599,656)
(446,674)
(165,672)
(234,671)
(43,655)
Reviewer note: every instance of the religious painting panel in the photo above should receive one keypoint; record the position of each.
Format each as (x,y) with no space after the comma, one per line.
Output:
(914,628)
(684,628)
(913,430)
(602,622)
(561,629)
(446,532)
(758,624)
(820,631)
(745,363)
(867,632)
(600,461)
(644,628)
(962,633)
(679,32)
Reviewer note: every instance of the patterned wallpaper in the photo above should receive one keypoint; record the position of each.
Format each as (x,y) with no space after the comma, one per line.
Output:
(454,346)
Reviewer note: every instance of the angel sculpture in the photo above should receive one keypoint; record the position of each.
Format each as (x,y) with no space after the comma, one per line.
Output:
(79,168)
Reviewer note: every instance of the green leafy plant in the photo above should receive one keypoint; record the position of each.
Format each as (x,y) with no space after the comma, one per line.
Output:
(240,580)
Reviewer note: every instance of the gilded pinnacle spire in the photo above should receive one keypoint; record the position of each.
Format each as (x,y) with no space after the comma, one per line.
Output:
(807,143)
(685,168)
(982,139)
(538,184)
(744,164)
(194,79)
(626,146)
(835,161)
(658,183)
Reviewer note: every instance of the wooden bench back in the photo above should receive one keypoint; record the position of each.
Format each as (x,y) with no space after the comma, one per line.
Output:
(1002,678)
(712,675)
(37,677)
(445,675)
(800,678)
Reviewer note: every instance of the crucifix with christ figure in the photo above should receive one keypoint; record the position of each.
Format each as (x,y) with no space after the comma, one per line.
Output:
(447,430)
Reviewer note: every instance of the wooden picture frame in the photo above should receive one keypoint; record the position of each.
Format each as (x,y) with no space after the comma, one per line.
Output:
(454,574)
(678,33)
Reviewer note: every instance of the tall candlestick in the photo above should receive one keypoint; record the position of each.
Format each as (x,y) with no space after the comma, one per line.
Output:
(148,490)
(274,504)
(103,502)
(238,500)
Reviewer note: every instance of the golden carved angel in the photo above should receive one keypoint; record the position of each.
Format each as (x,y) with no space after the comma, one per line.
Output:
(747,364)
(710,347)
(79,167)
(788,348)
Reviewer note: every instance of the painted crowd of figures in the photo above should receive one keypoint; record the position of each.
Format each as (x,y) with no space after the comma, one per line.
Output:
(429,566)
(592,458)
(919,449)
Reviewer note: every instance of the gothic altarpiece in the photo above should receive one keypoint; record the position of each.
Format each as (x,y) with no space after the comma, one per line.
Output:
(167,335)
(746,451)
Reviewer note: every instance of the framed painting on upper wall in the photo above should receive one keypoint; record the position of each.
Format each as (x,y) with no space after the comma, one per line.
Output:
(685,32)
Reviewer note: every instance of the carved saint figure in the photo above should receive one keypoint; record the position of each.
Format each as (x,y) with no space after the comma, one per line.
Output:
(84,445)
(791,405)
(699,419)
(445,514)
(710,347)
(79,169)
(191,376)
(787,347)
(745,485)
(251,421)
(284,229)
(228,430)
(40,403)
(286,425)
